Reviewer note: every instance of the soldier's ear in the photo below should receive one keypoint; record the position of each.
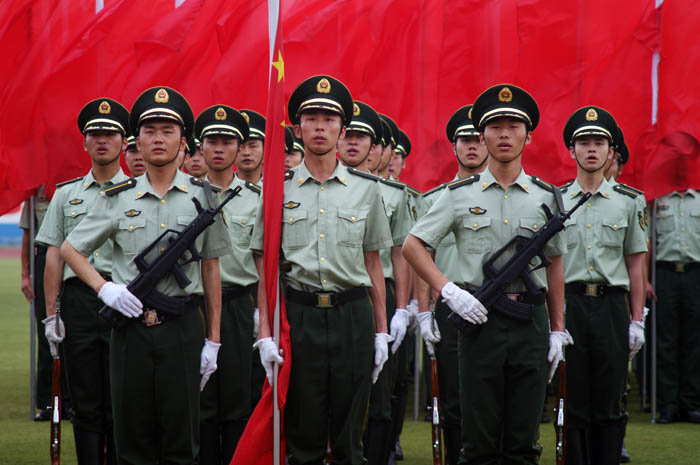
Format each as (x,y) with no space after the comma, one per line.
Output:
(342,132)
(124,143)
(297,131)
(572,152)
(528,137)
(611,152)
(454,145)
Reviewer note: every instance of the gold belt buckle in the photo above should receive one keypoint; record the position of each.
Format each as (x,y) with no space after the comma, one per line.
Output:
(680,267)
(150,318)
(324,299)
(591,290)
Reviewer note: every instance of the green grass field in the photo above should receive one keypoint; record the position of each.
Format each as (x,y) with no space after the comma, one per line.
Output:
(25,442)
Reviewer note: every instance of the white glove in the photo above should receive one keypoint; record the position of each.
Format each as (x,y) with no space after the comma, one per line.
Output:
(464,304)
(121,299)
(429,331)
(557,341)
(399,325)
(207,361)
(381,353)
(54,334)
(256,322)
(269,355)
(636,335)
(412,308)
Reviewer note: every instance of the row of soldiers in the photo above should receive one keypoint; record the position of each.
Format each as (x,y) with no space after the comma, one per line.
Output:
(362,257)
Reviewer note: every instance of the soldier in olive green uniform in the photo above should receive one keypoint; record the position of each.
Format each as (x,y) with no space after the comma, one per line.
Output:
(157,356)
(333,226)
(606,240)
(86,347)
(134,159)
(502,361)
(250,157)
(293,149)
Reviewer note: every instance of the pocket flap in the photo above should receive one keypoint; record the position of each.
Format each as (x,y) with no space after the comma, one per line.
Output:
(291,217)
(614,223)
(476,222)
(352,215)
(132,223)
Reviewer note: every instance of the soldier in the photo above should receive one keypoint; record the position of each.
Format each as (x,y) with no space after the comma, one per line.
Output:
(194,161)
(225,401)
(86,345)
(440,335)
(502,361)
(293,149)
(134,159)
(603,267)
(398,157)
(157,356)
(383,168)
(334,225)
(250,159)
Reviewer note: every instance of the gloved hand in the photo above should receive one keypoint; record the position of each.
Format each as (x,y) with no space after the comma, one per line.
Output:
(429,330)
(557,341)
(412,308)
(464,304)
(269,355)
(399,325)
(207,361)
(636,337)
(54,334)
(381,353)
(121,299)
(256,322)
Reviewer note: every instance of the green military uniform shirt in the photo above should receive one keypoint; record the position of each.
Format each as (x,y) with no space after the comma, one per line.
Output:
(69,206)
(326,227)
(599,233)
(396,204)
(446,255)
(41,205)
(133,219)
(484,217)
(678,227)
(641,203)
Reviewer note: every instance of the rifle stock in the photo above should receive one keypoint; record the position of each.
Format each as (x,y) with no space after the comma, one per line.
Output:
(436,427)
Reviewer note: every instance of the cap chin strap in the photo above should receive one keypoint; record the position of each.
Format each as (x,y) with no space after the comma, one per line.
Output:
(474,167)
(360,162)
(586,169)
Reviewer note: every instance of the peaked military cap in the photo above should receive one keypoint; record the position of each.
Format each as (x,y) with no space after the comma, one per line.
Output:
(386,133)
(366,120)
(320,93)
(393,130)
(505,100)
(403,145)
(131,143)
(256,123)
(291,143)
(590,121)
(221,120)
(193,144)
(622,149)
(460,124)
(162,103)
(103,114)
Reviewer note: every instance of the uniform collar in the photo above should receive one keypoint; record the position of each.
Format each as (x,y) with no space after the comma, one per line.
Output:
(236,181)
(180,182)
(89,179)
(690,192)
(340,174)
(487,180)
(603,190)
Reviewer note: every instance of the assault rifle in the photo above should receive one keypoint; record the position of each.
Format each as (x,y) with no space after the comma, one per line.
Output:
(492,293)
(171,260)
(55,436)
(436,428)
(560,416)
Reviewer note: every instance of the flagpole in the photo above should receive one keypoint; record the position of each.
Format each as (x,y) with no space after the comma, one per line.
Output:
(32,309)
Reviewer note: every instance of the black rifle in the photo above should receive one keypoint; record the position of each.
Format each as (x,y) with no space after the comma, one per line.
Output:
(169,262)
(492,293)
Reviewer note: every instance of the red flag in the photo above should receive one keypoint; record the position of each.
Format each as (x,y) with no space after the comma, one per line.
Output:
(256,444)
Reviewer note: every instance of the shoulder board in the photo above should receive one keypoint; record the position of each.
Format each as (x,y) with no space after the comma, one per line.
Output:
(254,187)
(435,189)
(392,183)
(65,183)
(622,189)
(122,186)
(413,191)
(630,188)
(543,184)
(288,174)
(463,182)
(363,174)
(566,186)
(200,182)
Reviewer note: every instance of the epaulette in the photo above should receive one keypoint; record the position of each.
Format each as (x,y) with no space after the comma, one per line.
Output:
(463,182)
(254,187)
(622,189)
(413,191)
(64,183)
(435,189)
(392,183)
(363,174)
(288,174)
(630,188)
(566,186)
(543,184)
(122,186)
(200,182)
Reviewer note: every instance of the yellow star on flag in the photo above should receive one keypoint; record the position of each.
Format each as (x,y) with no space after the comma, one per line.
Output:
(283,124)
(279,66)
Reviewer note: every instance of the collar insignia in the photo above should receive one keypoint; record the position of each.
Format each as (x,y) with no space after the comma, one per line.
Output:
(291,204)
(132,213)
(477,210)
(75,201)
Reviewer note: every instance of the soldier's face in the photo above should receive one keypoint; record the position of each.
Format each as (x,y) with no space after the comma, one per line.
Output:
(320,131)
(104,146)
(470,150)
(396,164)
(219,152)
(591,153)
(386,157)
(292,159)
(250,155)
(135,162)
(354,147)
(505,138)
(195,165)
(159,141)
(375,157)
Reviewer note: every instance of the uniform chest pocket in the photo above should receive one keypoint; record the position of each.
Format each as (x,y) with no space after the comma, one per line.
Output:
(240,230)
(571,233)
(529,226)
(351,227)
(294,229)
(665,221)
(74,214)
(476,234)
(131,235)
(612,232)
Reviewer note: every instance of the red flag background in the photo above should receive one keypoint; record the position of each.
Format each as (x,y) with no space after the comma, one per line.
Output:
(416,60)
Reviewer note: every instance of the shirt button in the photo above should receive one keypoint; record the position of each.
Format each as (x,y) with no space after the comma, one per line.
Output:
(683,244)
(244,222)
(162,200)
(162,249)
(321,211)
(483,185)
(72,213)
(505,196)
(682,214)
(505,221)
(291,220)
(588,226)
(97,254)
(682,229)
(321,235)
(534,226)
(323,259)
(590,268)
(323,188)
(324,281)
(615,226)
(588,205)
(476,225)
(131,228)
(162,225)
(352,218)
(588,247)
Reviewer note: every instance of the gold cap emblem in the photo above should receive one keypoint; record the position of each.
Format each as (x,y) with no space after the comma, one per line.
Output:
(355,110)
(246,117)
(591,115)
(323,86)
(162,96)
(220,114)
(104,108)
(505,95)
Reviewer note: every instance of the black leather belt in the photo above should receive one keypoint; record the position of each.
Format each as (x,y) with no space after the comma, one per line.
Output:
(593,289)
(235,291)
(678,267)
(40,250)
(325,299)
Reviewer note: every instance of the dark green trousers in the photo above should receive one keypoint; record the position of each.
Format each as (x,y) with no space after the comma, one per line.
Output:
(446,353)
(155,390)
(502,381)
(678,351)
(332,358)
(380,396)
(86,357)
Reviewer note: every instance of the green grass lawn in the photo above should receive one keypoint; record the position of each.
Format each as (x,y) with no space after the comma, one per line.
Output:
(25,442)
